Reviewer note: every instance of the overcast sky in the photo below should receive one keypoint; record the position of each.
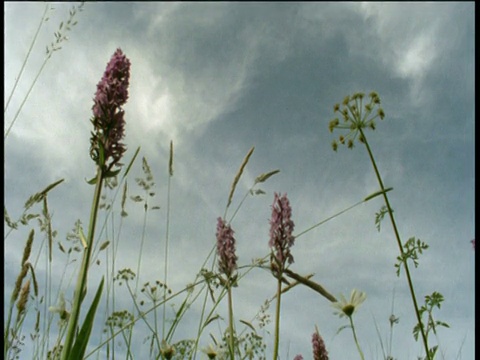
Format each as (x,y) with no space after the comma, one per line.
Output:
(219,78)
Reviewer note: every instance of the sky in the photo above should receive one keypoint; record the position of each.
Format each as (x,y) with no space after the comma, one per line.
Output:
(217,79)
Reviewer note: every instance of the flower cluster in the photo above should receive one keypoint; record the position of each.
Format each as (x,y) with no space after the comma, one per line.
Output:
(108,116)
(227,260)
(281,230)
(356,117)
(319,350)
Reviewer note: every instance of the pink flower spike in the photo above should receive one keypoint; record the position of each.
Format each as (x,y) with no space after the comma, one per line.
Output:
(281,230)
(108,116)
(227,260)
(319,350)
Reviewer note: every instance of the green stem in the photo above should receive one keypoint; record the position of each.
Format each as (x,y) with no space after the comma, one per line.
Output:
(277,318)
(167,232)
(399,243)
(355,338)
(230,320)
(6,341)
(82,276)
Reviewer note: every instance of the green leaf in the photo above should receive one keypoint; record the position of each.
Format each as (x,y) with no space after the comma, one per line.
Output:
(263,177)
(379,216)
(131,162)
(210,320)
(248,324)
(81,341)
(92,181)
(342,328)
(111,173)
(375,194)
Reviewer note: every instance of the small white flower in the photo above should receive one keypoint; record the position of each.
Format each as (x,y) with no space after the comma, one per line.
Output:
(347,308)
(60,308)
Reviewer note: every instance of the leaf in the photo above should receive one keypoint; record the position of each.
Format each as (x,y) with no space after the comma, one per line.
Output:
(263,177)
(444,324)
(248,324)
(213,318)
(131,162)
(104,245)
(51,186)
(81,341)
(82,238)
(342,328)
(92,181)
(111,173)
(379,216)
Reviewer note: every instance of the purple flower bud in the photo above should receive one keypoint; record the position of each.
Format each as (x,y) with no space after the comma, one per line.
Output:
(227,260)
(319,350)
(108,116)
(281,229)
(298,357)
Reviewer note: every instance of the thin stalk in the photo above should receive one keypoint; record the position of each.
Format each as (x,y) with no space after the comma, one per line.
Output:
(130,334)
(17,79)
(6,341)
(356,340)
(399,243)
(391,326)
(82,276)
(277,318)
(230,320)
(202,314)
(167,232)
(26,96)
(329,218)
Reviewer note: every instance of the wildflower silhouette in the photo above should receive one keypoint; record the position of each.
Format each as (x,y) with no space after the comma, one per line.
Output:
(356,118)
(347,309)
(106,150)
(227,260)
(108,116)
(281,240)
(227,264)
(281,233)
